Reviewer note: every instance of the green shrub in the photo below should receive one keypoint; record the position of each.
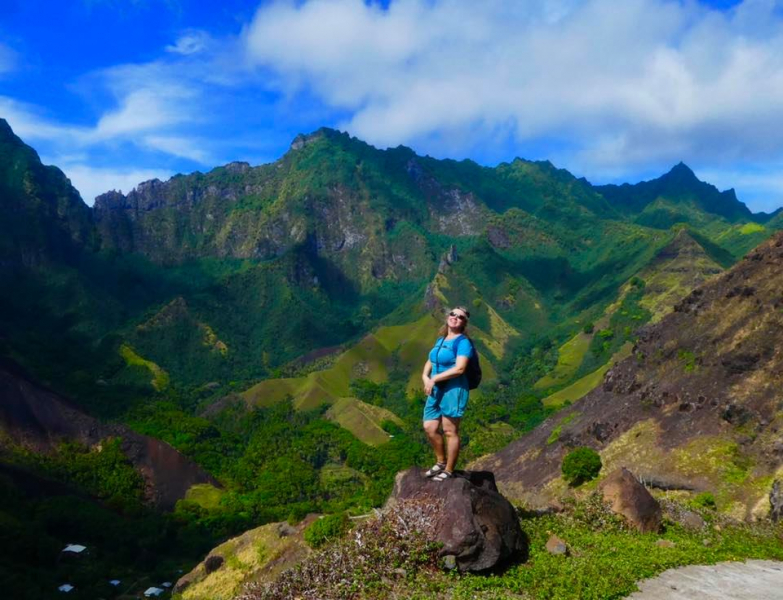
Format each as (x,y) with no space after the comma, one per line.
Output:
(588,328)
(704,500)
(325,529)
(581,465)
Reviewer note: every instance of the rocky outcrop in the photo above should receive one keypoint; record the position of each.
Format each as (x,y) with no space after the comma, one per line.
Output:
(629,498)
(40,419)
(475,524)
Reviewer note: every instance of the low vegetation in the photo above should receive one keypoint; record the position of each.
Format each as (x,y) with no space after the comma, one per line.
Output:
(605,558)
(581,465)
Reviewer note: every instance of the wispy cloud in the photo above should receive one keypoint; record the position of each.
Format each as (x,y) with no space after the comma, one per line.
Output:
(30,123)
(190,42)
(94,181)
(149,109)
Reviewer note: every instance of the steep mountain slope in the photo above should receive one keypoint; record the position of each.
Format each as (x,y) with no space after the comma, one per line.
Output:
(37,419)
(656,202)
(696,407)
(42,218)
(232,274)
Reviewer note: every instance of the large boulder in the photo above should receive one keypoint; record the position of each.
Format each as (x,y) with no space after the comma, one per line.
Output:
(631,499)
(475,524)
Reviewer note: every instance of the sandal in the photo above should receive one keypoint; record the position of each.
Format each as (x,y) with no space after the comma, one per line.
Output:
(443,476)
(435,469)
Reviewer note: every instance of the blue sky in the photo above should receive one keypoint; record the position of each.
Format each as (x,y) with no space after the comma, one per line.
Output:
(118,91)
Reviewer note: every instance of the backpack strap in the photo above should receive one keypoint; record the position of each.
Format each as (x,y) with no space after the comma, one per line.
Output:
(437,353)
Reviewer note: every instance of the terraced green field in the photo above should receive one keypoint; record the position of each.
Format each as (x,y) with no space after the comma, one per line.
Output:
(363,420)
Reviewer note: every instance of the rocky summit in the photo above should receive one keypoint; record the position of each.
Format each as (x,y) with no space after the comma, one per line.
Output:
(695,408)
(477,527)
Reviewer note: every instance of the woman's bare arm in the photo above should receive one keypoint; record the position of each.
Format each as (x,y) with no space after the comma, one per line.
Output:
(455,371)
(425,374)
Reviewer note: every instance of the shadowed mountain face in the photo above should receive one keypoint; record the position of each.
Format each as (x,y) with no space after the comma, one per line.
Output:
(39,420)
(696,407)
(678,186)
(42,217)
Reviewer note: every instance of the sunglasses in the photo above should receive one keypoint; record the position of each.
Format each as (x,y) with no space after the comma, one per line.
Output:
(462,318)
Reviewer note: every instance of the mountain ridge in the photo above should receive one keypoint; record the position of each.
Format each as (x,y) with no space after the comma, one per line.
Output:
(694,408)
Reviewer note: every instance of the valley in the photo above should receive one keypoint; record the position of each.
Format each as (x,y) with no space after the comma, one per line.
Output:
(222,351)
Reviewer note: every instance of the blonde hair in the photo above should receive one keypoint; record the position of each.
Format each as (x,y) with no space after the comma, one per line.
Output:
(464,331)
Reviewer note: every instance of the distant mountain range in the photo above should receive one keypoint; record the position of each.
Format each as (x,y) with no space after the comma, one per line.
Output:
(232,274)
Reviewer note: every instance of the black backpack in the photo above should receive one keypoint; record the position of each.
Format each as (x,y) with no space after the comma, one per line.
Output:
(473,370)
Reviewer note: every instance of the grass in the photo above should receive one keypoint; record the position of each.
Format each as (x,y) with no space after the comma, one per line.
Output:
(160,378)
(605,558)
(606,562)
(406,346)
(569,358)
(586,384)
(362,419)
(749,228)
(205,495)
(258,552)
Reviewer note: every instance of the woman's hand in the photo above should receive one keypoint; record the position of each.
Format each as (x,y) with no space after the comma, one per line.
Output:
(428,385)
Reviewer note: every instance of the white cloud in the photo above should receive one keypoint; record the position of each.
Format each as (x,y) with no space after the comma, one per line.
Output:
(627,84)
(183,147)
(29,124)
(191,42)
(146,109)
(92,182)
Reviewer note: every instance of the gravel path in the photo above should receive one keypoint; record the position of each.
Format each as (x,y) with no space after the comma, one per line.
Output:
(751,580)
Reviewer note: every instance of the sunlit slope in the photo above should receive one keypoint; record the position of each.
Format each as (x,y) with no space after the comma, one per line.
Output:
(403,347)
(363,420)
(679,267)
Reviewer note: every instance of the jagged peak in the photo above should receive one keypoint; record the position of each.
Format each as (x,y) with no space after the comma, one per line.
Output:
(5,128)
(303,139)
(683,169)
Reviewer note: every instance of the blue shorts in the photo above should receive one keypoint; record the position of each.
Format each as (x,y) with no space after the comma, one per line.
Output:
(450,402)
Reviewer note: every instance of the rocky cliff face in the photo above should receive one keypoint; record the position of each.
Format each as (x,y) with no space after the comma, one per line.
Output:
(322,196)
(696,408)
(39,419)
(42,217)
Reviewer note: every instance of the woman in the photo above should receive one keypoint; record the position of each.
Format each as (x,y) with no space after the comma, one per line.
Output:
(446,387)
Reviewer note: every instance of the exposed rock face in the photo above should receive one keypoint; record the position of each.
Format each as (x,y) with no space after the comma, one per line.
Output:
(476,524)
(268,211)
(39,419)
(681,409)
(631,499)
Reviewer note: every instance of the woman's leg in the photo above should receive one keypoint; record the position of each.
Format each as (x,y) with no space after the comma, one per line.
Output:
(435,438)
(451,431)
